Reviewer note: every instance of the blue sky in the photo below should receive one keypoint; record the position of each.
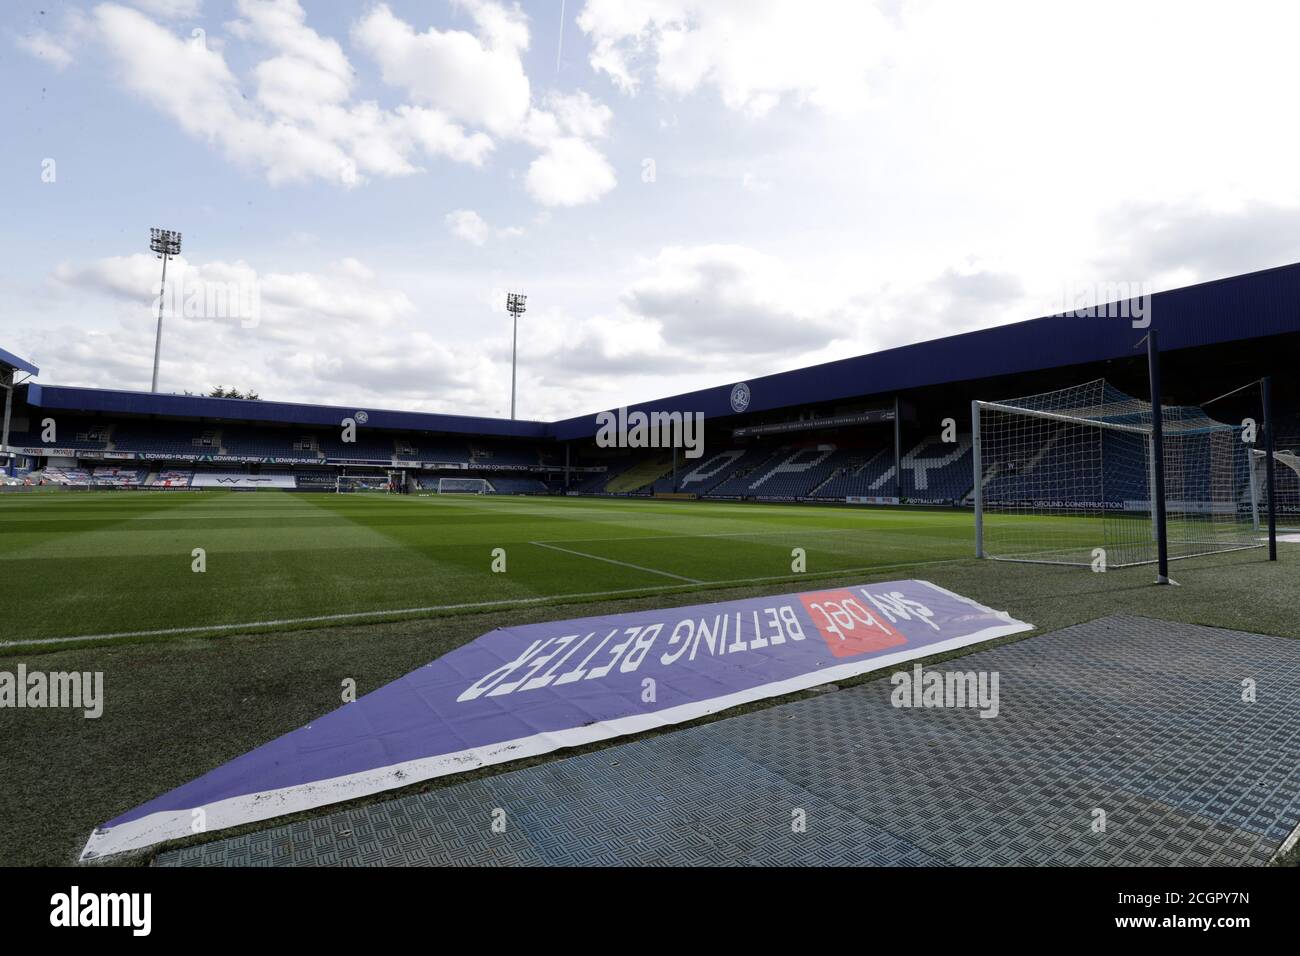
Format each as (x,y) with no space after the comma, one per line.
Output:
(690,193)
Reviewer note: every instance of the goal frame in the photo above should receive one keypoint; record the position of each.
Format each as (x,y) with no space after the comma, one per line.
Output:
(1159,519)
(484,487)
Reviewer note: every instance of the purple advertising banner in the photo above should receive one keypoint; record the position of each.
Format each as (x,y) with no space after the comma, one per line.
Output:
(521,691)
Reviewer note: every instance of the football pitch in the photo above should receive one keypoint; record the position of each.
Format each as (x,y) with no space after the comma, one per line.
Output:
(132,566)
(87,564)
(300,591)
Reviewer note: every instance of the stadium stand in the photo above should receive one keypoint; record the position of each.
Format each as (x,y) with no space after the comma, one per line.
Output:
(260,443)
(117,477)
(241,480)
(173,478)
(497,454)
(367,447)
(432,449)
(501,485)
(789,472)
(165,438)
(69,434)
(824,433)
(70,477)
(316,480)
(851,475)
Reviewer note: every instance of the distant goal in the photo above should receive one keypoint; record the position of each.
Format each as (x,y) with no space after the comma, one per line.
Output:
(1062,474)
(463,486)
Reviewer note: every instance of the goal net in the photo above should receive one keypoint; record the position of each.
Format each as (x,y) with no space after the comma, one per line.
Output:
(1286,486)
(357,483)
(463,486)
(1061,474)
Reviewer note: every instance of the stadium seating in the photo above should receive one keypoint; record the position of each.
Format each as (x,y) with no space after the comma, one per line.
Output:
(269,443)
(426,448)
(165,438)
(713,468)
(367,447)
(71,477)
(500,485)
(73,434)
(850,475)
(117,477)
(790,472)
(595,483)
(173,478)
(501,453)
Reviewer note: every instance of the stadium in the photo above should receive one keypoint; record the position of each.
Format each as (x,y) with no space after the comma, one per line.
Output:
(199,543)
(611,440)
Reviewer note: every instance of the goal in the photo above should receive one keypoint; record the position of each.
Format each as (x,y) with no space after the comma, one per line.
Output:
(1286,479)
(1067,477)
(463,486)
(358,483)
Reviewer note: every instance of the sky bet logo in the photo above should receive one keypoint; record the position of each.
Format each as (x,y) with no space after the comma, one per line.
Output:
(858,622)
(103,909)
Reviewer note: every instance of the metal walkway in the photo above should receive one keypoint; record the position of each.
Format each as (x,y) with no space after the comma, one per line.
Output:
(1142,720)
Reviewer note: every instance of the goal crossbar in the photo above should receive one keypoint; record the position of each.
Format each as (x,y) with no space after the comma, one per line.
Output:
(1068,477)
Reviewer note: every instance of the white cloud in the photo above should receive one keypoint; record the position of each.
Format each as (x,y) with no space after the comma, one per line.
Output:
(580,115)
(480,79)
(569,173)
(468,225)
(171,9)
(339,335)
(753,53)
(301,123)
(729,297)
(44,46)
(477,79)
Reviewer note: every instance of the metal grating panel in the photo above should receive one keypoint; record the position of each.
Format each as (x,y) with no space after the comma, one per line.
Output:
(1139,718)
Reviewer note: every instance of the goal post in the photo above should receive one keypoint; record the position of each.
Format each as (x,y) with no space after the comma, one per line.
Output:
(1067,477)
(1286,487)
(463,486)
(344,484)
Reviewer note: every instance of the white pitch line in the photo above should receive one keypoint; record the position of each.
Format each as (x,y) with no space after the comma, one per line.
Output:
(557,599)
(784,533)
(624,564)
(316,619)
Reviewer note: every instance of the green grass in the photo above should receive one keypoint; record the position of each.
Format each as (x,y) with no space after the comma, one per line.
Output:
(108,563)
(179,704)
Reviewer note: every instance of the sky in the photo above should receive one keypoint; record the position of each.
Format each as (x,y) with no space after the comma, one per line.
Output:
(690,192)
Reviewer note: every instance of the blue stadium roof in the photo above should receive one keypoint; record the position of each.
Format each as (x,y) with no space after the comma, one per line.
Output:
(14,362)
(114,401)
(1256,305)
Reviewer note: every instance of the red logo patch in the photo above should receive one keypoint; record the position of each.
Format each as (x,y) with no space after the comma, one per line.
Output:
(848,625)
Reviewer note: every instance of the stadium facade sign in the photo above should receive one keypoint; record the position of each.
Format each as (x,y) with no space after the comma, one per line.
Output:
(518,692)
(869,417)
(740,397)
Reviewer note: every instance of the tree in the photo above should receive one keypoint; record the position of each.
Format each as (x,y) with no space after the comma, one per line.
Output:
(222,392)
